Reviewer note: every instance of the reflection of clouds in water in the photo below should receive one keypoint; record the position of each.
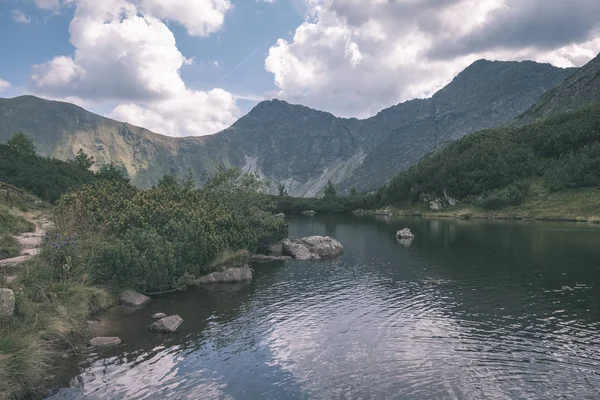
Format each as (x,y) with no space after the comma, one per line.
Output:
(147,377)
(335,351)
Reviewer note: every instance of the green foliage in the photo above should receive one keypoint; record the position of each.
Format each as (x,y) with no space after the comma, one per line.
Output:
(9,247)
(340,204)
(48,178)
(282,190)
(111,172)
(151,239)
(329,193)
(22,145)
(83,161)
(564,149)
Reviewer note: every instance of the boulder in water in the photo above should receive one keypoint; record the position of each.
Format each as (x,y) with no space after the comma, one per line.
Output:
(159,315)
(228,275)
(134,299)
(312,248)
(309,212)
(405,234)
(167,324)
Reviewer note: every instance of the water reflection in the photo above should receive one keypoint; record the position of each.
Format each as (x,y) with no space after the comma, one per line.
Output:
(466,310)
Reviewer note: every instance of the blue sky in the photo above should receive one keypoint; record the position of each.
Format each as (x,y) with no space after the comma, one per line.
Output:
(192,67)
(239,48)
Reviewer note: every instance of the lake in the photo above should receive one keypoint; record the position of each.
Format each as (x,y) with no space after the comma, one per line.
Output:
(467,310)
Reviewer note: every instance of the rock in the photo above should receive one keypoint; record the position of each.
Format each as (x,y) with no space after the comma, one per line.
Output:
(309,212)
(385,211)
(436,204)
(280,215)
(92,324)
(312,248)
(405,234)
(158,315)
(134,299)
(100,342)
(449,199)
(229,275)
(13,262)
(406,242)
(261,258)
(7,303)
(275,249)
(167,324)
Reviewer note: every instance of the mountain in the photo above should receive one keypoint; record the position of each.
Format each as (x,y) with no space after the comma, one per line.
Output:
(292,144)
(580,89)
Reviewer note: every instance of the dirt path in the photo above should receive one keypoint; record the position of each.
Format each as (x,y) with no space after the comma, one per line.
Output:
(29,242)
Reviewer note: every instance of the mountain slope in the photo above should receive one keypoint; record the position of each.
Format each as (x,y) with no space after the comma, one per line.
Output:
(580,89)
(291,144)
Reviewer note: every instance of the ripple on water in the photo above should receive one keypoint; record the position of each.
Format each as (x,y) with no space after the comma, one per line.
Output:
(406,323)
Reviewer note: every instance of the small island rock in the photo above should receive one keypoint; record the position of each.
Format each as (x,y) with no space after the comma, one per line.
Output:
(100,342)
(7,303)
(167,324)
(158,315)
(405,234)
(312,248)
(134,299)
(309,212)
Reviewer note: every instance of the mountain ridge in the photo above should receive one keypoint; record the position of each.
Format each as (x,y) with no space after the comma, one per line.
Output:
(294,144)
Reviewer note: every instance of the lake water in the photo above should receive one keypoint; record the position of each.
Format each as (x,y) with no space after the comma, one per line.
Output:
(468,310)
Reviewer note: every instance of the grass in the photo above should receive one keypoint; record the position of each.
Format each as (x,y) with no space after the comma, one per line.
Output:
(9,247)
(50,315)
(581,205)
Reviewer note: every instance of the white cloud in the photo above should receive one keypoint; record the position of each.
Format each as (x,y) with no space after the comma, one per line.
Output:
(20,17)
(200,17)
(48,4)
(126,55)
(190,112)
(355,57)
(4,85)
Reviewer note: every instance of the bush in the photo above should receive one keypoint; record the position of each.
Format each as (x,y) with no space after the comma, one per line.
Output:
(150,239)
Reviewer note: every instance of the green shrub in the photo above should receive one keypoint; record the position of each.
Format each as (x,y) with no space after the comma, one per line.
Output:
(150,239)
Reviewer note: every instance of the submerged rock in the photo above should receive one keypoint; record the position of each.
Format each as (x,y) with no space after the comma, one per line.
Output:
(309,212)
(406,242)
(261,258)
(134,299)
(100,342)
(167,324)
(7,303)
(229,275)
(312,248)
(158,315)
(405,234)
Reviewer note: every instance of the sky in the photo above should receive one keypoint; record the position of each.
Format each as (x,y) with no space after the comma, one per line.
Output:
(192,67)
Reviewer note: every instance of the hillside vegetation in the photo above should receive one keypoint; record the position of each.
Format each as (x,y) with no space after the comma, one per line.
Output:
(494,169)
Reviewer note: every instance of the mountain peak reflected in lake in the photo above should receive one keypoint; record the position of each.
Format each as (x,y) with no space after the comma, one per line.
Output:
(466,310)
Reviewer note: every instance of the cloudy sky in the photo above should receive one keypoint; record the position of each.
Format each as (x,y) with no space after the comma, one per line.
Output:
(192,67)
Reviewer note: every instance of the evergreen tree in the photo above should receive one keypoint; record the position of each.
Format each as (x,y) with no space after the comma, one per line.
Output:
(22,144)
(83,161)
(329,193)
